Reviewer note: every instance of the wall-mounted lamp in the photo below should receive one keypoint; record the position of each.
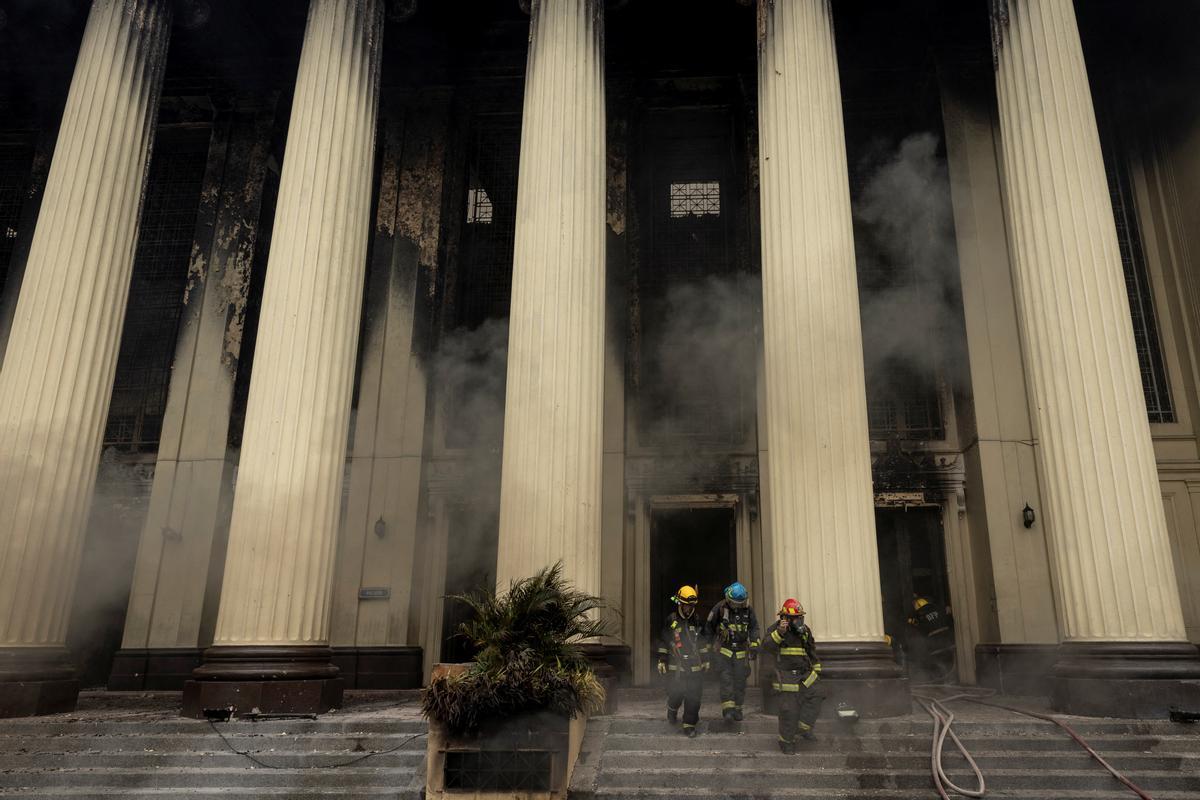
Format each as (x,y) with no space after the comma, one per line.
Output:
(380,528)
(1027,516)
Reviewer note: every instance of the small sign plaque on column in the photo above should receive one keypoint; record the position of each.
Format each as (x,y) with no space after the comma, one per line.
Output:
(374,593)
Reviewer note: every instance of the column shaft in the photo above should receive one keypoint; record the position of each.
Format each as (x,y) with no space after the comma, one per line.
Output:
(273,621)
(822,514)
(1111,553)
(57,378)
(551,474)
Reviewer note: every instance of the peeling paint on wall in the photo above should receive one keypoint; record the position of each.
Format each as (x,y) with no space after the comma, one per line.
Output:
(618,172)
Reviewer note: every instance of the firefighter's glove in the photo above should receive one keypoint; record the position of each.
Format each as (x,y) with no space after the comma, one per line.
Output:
(662,668)
(707,665)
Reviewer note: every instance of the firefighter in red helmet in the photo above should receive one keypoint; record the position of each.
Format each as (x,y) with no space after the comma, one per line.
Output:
(797,669)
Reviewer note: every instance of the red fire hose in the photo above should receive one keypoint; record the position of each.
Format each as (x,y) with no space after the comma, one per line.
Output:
(943,721)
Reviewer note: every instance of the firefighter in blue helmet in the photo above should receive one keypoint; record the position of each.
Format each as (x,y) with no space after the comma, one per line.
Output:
(733,628)
(797,669)
(683,657)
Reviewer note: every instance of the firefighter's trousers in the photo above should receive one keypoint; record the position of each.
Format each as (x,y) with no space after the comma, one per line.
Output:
(799,705)
(733,670)
(684,689)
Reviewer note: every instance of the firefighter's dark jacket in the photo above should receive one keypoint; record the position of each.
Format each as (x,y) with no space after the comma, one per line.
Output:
(795,653)
(929,620)
(684,646)
(733,629)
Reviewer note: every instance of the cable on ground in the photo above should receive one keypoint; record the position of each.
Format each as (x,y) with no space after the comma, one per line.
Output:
(247,754)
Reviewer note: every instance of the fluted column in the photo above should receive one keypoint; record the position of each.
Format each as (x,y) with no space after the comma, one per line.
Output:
(551,472)
(1117,595)
(61,357)
(823,549)
(273,623)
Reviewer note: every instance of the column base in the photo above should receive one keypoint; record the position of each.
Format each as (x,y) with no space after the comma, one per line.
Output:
(162,669)
(396,667)
(864,676)
(268,679)
(1139,680)
(1014,668)
(35,681)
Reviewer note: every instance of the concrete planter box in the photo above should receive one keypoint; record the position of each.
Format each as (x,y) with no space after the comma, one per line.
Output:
(528,757)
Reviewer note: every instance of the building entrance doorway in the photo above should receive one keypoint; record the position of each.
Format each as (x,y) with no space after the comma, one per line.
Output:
(694,546)
(912,561)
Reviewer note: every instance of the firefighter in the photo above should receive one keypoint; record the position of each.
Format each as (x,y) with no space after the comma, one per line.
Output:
(930,639)
(796,673)
(733,628)
(683,656)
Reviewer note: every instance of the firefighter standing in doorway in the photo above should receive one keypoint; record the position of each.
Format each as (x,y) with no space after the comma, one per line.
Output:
(930,640)
(797,671)
(733,628)
(683,656)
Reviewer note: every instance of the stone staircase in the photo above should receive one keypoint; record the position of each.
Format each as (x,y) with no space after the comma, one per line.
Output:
(134,745)
(129,746)
(636,754)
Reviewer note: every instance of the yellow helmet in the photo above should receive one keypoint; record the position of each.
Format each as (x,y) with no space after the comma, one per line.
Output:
(686,596)
(919,603)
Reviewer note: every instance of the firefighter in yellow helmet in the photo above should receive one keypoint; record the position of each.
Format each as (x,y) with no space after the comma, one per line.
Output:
(683,658)
(797,669)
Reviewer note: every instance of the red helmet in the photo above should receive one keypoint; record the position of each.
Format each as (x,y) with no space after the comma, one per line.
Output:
(791,608)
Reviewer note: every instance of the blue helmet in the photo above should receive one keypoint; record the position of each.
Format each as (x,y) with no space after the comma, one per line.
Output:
(736,592)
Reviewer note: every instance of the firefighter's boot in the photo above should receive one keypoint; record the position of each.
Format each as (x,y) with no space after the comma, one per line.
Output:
(786,747)
(673,715)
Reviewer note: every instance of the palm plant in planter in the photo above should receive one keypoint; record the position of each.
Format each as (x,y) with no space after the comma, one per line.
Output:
(529,658)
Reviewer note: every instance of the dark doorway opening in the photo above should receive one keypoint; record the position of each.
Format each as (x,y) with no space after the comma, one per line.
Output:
(912,561)
(694,546)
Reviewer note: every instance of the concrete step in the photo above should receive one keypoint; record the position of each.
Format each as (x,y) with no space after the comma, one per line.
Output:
(770,773)
(921,726)
(201,777)
(797,793)
(285,792)
(411,759)
(25,727)
(674,742)
(987,760)
(209,743)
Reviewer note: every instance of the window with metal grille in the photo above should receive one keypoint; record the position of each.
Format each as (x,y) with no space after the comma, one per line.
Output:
(16,164)
(696,198)
(473,388)
(1146,340)
(903,403)
(160,269)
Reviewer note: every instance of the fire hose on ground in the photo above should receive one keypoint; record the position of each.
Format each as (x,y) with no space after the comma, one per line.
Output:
(943,728)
